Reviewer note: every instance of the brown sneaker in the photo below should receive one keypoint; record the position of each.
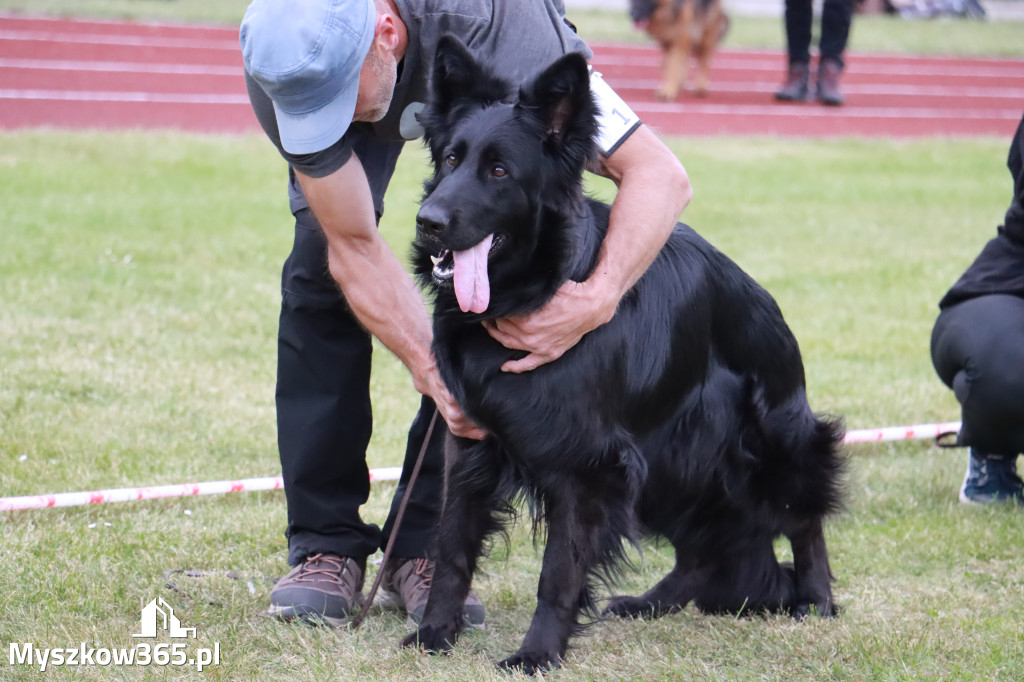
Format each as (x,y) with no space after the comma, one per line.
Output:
(407,583)
(795,87)
(322,590)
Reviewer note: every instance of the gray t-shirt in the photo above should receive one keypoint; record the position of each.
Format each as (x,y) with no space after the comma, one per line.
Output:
(519,37)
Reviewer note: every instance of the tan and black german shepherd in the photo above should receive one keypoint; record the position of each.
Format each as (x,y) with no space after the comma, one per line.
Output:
(682,28)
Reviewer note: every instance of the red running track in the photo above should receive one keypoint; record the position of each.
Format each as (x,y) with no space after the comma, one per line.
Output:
(98,74)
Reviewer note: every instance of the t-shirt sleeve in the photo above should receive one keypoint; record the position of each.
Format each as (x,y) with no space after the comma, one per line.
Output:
(317,164)
(616,121)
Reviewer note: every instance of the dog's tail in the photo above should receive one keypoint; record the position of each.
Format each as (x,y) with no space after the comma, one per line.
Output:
(803,463)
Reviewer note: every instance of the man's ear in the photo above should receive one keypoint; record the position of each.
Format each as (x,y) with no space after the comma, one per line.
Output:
(560,97)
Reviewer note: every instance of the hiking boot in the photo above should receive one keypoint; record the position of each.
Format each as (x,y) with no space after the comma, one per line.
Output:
(795,89)
(990,479)
(828,93)
(325,589)
(407,583)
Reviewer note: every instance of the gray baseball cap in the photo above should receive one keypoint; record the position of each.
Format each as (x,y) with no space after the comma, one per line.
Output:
(306,55)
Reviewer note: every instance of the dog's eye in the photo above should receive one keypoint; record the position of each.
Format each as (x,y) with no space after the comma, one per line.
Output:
(499,171)
(450,160)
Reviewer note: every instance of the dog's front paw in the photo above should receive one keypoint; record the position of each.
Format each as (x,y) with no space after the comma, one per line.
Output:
(530,663)
(432,640)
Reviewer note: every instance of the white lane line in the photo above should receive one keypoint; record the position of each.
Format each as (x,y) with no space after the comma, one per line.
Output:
(120,67)
(22,19)
(642,108)
(124,40)
(150,97)
(622,85)
(639,107)
(960,70)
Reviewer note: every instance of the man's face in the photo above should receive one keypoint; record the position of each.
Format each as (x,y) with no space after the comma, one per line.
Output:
(377,81)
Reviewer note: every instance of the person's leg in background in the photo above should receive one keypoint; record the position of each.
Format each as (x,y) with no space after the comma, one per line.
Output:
(836,18)
(978,351)
(799,18)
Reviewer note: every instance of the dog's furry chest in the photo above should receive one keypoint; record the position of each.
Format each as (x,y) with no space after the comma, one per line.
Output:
(526,413)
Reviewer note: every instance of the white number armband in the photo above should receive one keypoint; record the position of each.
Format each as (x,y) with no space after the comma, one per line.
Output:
(616,121)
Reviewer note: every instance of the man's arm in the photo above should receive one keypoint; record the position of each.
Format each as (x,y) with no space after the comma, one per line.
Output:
(653,190)
(377,288)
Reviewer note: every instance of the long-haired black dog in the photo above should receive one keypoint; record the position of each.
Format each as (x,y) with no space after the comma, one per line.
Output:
(684,416)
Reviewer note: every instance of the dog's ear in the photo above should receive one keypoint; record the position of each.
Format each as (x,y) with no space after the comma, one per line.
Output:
(458,76)
(457,80)
(560,97)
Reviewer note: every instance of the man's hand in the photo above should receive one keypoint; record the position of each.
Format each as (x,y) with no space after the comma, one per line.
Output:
(430,383)
(653,190)
(547,333)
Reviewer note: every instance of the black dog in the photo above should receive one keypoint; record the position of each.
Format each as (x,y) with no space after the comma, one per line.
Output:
(685,416)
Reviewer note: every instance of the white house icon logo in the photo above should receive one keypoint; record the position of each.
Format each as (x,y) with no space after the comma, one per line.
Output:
(167,619)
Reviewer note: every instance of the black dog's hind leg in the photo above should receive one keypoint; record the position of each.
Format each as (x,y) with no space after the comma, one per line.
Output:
(671,594)
(467,518)
(813,575)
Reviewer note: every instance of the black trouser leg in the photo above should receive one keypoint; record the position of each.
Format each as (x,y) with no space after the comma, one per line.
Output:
(416,534)
(836,17)
(323,406)
(799,18)
(978,351)
(325,420)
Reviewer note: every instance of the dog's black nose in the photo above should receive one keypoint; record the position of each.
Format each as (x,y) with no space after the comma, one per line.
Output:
(431,220)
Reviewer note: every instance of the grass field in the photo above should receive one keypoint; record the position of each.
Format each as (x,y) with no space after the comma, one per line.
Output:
(138,309)
(137,320)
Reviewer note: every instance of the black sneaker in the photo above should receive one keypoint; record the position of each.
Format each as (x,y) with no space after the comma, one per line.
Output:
(990,479)
(325,589)
(407,583)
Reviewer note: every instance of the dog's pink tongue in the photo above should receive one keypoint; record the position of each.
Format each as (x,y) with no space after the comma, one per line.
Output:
(472,288)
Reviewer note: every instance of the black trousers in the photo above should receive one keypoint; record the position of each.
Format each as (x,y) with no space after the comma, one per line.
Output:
(325,420)
(978,351)
(836,17)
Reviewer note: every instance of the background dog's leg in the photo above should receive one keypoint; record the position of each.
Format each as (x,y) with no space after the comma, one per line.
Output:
(813,574)
(704,49)
(674,71)
(467,518)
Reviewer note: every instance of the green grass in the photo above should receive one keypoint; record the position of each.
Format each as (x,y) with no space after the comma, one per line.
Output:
(870,33)
(138,303)
(138,306)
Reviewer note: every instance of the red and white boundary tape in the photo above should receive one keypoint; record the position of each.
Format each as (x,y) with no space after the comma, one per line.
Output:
(900,433)
(383,474)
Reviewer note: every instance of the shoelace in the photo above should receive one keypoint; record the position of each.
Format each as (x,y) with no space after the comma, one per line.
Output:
(314,566)
(425,570)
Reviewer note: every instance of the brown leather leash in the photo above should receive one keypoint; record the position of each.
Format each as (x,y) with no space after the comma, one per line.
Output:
(358,620)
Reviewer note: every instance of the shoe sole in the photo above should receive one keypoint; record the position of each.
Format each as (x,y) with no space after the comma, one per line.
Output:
(975,502)
(391,601)
(309,617)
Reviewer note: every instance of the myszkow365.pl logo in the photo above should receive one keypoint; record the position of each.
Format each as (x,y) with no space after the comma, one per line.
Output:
(157,616)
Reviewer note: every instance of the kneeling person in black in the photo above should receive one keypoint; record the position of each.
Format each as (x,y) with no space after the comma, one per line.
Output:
(978,351)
